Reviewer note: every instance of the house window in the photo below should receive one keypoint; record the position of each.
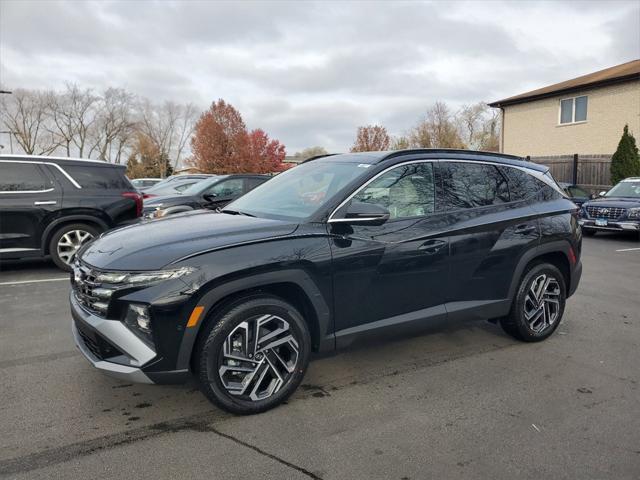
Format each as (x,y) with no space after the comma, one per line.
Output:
(573,110)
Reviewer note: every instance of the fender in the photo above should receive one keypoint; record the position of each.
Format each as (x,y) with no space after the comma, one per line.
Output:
(560,246)
(298,277)
(46,235)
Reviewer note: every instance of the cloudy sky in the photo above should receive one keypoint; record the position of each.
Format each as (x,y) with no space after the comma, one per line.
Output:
(310,73)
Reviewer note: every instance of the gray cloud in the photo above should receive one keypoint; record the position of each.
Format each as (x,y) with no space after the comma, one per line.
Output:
(309,73)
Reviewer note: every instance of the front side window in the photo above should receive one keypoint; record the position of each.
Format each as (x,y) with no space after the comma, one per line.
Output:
(406,191)
(573,110)
(22,177)
(227,188)
(470,185)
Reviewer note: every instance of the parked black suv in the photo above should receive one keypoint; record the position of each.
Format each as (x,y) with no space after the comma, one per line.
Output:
(51,206)
(617,210)
(213,192)
(320,255)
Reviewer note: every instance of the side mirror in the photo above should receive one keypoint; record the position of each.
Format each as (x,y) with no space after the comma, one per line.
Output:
(362,213)
(209,197)
(592,196)
(602,193)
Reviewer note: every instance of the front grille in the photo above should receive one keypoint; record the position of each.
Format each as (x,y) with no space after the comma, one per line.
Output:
(611,213)
(84,284)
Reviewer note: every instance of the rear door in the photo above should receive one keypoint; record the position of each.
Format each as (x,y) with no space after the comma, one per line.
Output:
(490,229)
(28,199)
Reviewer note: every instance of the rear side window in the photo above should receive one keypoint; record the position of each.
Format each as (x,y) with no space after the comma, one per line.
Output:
(254,182)
(521,184)
(471,185)
(94,177)
(22,177)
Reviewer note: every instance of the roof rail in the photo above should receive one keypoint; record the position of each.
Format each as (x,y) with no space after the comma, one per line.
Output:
(315,157)
(413,151)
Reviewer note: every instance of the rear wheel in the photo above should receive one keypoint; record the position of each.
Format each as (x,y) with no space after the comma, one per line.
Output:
(66,241)
(253,355)
(538,306)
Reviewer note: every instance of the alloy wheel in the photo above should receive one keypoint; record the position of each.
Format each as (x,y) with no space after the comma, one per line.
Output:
(258,357)
(70,242)
(542,303)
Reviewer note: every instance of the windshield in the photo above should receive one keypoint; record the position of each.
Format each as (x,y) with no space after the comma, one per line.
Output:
(625,189)
(299,192)
(201,185)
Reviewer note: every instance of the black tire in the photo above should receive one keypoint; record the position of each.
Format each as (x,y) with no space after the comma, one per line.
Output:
(209,355)
(588,232)
(516,323)
(61,232)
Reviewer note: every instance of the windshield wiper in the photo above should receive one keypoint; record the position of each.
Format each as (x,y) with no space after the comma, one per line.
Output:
(235,212)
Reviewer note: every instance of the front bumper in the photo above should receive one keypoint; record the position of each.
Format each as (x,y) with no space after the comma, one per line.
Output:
(124,360)
(612,225)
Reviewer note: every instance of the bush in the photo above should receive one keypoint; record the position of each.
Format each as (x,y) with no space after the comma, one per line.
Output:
(626,161)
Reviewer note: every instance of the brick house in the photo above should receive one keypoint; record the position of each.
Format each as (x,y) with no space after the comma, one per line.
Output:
(584,115)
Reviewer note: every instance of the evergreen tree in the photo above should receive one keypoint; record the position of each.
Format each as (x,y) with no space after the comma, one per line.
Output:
(626,161)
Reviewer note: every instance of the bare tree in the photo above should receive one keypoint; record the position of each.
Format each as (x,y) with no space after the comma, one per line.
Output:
(479,126)
(114,126)
(436,130)
(309,152)
(26,115)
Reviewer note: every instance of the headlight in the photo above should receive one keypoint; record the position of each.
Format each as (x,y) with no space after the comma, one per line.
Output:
(634,212)
(141,278)
(138,320)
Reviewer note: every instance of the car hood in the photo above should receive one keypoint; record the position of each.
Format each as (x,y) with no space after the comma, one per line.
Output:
(155,244)
(614,202)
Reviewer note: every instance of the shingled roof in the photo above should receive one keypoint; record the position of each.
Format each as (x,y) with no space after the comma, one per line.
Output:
(619,73)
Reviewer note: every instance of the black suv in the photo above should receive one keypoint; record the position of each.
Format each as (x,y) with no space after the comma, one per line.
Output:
(51,206)
(320,255)
(617,210)
(213,192)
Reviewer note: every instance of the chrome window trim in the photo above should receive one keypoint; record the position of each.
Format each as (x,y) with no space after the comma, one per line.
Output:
(534,173)
(39,162)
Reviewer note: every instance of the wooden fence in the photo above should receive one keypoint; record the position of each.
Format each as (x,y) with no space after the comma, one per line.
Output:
(589,171)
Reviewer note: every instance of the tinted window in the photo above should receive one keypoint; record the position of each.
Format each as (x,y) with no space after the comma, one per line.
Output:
(521,184)
(98,177)
(22,177)
(227,188)
(254,182)
(405,191)
(470,185)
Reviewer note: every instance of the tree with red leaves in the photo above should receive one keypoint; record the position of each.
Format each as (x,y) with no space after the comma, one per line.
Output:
(221,144)
(371,138)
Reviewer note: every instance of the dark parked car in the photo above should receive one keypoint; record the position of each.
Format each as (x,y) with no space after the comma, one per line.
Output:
(174,187)
(212,193)
(575,193)
(617,210)
(51,206)
(322,254)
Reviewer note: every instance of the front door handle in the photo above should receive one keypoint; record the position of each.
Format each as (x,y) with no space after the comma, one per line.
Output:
(525,229)
(46,202)
(432,246)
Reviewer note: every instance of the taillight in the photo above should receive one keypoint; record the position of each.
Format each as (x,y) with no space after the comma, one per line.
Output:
(147,195)
(137,197)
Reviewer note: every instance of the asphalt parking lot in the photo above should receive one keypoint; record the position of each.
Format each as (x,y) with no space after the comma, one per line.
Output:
(466,402)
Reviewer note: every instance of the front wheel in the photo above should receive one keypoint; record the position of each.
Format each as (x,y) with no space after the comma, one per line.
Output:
(66,241)
(538,306)
(253,355)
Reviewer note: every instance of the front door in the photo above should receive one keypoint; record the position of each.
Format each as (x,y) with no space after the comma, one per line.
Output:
(223,192)
(394,273)
(27,197)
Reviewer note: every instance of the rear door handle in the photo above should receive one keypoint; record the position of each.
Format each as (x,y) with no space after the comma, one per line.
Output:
(432,246)
(525,229)
(47,202)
